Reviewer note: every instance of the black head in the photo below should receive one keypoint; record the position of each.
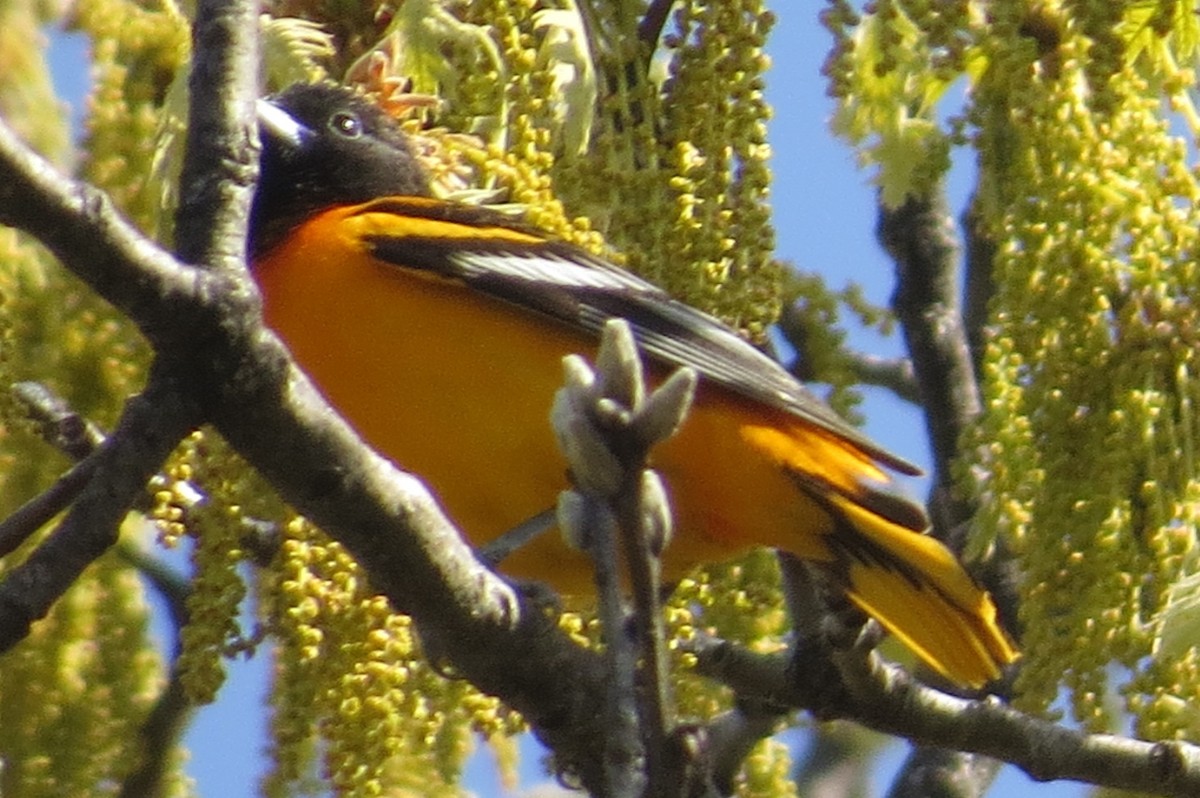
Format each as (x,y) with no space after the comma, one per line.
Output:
(324,145)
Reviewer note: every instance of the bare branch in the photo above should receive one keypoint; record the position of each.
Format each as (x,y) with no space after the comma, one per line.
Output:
(167,719)
(939,771)
(981,252)
(158,736)
(919,235)
(832,763)
(216,185)
(894,374)
(221,159)
(885,698)
(67,431)
(607,424)
(78,438)
(651,26)
(80,226)
(150,426)
(732,735)
(59,424)
(41,509)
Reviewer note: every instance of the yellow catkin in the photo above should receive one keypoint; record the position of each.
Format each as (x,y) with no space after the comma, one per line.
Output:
(1087,193)
(196,502)
(138,52)
(351,682)
(767,772)
(74,693)
(676,175)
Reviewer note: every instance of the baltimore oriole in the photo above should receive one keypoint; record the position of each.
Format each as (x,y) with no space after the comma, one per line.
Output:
(438,330)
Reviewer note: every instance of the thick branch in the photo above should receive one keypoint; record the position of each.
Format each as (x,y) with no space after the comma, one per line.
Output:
(79,225)
(885,698)
(499,640)
(919,235)
(270,412)
(221,159)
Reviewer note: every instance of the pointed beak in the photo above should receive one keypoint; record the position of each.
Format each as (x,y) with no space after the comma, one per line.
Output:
(275,123)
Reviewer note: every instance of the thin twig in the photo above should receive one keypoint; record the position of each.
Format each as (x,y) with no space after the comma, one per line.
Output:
(626,754)
(894,374)
(172,586)
(150,427)
(618,510)
(499,549)
(65,429)
(41,509)
(732,735)
(158,735)
(167,719)
(57,421)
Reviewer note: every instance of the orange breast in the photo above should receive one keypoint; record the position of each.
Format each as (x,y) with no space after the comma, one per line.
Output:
(457,388)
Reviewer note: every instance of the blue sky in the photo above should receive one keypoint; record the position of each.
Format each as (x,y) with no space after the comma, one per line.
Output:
(825,215)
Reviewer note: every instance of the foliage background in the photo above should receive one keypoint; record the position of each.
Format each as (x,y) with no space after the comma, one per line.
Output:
(824,217)
(824,210)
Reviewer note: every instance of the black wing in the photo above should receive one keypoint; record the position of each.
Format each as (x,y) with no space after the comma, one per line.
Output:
(500,258)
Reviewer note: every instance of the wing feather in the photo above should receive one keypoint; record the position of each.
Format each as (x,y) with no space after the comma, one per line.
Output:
(498,257)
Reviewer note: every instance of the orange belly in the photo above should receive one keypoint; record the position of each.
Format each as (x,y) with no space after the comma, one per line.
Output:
(457,389)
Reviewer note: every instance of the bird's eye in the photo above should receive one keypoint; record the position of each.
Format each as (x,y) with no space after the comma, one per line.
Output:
(346,124)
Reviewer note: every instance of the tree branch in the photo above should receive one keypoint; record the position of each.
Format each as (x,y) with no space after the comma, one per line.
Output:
(41,509)
(67,431)
(79,225)
(981,252)
(501,641)
(885,698)
(894,374)
(607,424)
(79,439)
(651,26)
(940,771)
(152,423)
(220,163)
(164,725)
(919,236)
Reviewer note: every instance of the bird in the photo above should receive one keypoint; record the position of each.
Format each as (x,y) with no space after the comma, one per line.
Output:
(437,329)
